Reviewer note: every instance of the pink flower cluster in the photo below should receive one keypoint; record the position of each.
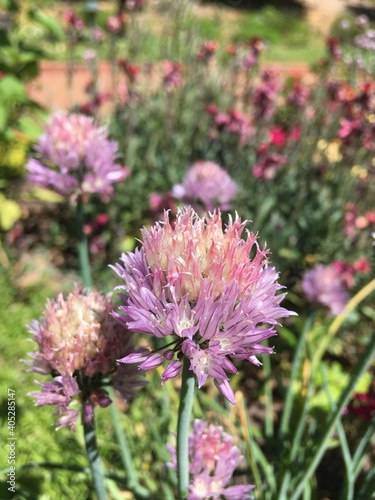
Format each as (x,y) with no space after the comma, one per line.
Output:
(348,270)
(74,157)
(354,221)
(231,121)
(206,186)
(78,344)
(195,284)
(213,460)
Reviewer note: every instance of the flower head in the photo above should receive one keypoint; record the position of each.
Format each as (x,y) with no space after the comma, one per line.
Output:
(325,284)
(213,460)
(208,185)
(196,285)
(78,344)
(74,156)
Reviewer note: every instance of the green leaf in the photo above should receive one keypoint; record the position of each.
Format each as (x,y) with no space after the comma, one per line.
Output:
(48,22)
(4,113)
(29,127)
(11,90)
(10,212)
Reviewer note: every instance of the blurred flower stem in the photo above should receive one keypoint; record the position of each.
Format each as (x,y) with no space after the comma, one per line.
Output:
(126,458)
(183,428)
(83,250)
(94,459)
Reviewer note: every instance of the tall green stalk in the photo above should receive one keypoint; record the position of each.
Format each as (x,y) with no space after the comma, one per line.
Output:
(126,458)
(183,428)
(94,459)
(82,246)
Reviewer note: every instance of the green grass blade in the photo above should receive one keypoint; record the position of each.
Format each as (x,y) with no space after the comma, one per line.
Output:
(344,399)
(297,362)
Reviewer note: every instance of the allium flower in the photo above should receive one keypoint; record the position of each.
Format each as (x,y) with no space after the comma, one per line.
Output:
(74,156)
(213,460)
(196,285)
(78,344)
(206,185)
(325,284)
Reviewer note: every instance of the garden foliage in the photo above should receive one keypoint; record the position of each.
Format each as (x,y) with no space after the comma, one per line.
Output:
(212,127)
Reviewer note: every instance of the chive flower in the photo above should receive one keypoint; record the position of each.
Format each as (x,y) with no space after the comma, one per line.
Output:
(78,342)
(213,458)
(206,186)
(207,291)
(75,157)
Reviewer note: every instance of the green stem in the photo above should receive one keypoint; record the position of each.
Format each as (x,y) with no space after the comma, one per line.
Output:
(94,459)
(268,394)
(338,321)
(82,246)
(126,458)
(183,427)
(297,362)
(249,440)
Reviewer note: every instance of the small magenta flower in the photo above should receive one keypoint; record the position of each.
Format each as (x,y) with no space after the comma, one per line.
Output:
(213,458)
(78,344)
(207,50)
(75,157)
(362,404)
(197,286)
(325,284)
(206,186)
(172,75)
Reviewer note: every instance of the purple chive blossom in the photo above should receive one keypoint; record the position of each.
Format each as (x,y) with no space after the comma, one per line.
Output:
(78,344)
(325,285)
(75,157)
(197,286)
(206,185)
(213,459)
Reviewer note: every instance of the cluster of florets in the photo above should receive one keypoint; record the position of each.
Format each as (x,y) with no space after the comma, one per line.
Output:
(196,285)
(213,458)
(75,157)
(206,186)
(78,344)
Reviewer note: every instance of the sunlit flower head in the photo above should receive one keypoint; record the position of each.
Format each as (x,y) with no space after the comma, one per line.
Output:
(325,285)
(206,186)
(75,157)
(207,290)
(78,344)
(213,458)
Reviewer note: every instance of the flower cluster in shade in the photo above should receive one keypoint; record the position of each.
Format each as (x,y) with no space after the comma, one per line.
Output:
(78,344)
(196,285)
(75,157)
(206,186)
(326,286)
(213,458)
